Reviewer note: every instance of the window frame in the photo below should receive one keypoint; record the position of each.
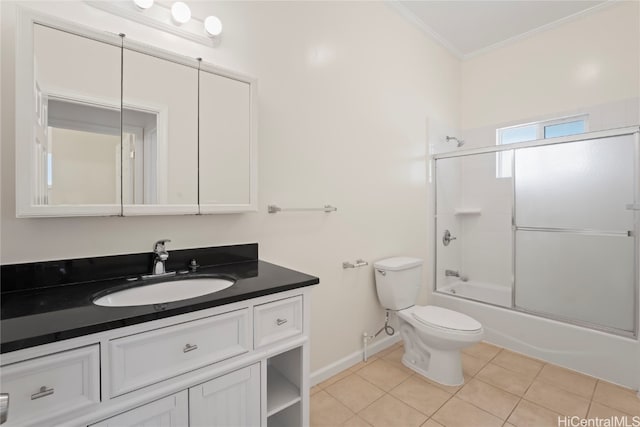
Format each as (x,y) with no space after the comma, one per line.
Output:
(504,158)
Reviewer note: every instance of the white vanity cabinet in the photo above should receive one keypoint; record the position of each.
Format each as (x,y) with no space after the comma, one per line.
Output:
(240,364)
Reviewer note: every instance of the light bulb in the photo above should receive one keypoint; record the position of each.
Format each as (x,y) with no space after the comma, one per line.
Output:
(213,26)
(180,12)
(143,4)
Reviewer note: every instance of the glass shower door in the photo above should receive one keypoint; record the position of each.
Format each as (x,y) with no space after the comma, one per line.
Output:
(574,233)
(474,205)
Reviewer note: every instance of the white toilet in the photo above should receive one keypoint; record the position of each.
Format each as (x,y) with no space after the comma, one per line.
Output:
(433,336)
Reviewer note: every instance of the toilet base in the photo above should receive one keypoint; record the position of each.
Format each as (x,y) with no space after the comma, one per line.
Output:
(445,369)
(434,353)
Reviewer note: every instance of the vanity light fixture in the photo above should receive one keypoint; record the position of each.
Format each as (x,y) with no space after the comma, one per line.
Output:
(180,12)
(175,19)
(143,4)
(213,26)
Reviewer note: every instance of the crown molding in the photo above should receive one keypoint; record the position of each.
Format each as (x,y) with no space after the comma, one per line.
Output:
(413,19)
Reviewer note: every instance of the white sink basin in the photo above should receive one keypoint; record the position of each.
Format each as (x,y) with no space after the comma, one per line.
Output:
(158,293)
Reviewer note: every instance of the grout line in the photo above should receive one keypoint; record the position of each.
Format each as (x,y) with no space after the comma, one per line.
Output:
(514,409)
(533,381)
(588,409)
(595,387)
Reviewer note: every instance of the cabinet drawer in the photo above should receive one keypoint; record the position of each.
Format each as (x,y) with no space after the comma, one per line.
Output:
(46,387)
(149,357)
(277,320)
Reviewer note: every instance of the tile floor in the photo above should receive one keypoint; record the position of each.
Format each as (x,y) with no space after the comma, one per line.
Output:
(501,388)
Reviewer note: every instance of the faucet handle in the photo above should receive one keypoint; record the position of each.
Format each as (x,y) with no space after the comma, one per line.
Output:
(159,245)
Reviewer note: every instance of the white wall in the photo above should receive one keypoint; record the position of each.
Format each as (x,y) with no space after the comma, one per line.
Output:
(346,93)
(590,61)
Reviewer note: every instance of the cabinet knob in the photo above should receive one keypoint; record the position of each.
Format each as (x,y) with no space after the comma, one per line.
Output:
(187,348)
(43,392)
(280,322)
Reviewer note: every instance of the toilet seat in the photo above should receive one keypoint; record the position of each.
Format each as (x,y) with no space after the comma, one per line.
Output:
(444,319)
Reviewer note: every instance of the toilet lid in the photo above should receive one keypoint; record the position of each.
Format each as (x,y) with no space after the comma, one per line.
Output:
(443,318)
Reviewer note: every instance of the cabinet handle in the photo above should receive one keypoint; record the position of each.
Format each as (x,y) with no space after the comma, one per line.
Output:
(281,321)
(187,348)
(4,407)
(44,392)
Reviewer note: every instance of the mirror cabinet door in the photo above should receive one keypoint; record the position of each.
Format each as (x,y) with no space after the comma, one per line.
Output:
(74,151)
(159,135)
(227,153)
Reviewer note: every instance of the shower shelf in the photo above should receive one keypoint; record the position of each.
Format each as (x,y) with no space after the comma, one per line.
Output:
(467,211)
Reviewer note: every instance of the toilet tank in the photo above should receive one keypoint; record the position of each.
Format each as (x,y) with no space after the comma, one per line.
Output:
(398,281)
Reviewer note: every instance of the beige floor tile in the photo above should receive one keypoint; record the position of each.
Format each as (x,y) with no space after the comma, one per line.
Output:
(529,414)
(518,363)
(458,413)
(337,377)
(356,421)
(620,398)
(383,374)
(471,365)
(489,398)
(362,364)
(407,370)
(483,351)
(354,392)
(448,388)
(314,390)
(395,355)
(510,381)
(327,411)
(391,412)
(395,358)
(566,379)
(556,399)
(383,353)
(421,395)
(598,410)
(431,423)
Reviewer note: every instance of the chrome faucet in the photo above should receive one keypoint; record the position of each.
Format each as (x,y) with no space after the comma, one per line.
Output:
(161,255)
(451,273)
(455,273)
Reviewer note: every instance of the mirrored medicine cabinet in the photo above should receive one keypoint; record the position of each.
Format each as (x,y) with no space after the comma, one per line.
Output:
(107,126)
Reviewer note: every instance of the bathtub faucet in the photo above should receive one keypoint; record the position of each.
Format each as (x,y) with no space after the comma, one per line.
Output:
(455,273)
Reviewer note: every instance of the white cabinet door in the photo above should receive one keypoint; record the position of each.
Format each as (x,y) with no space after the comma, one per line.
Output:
(227,148)
(170,411)
(229,401)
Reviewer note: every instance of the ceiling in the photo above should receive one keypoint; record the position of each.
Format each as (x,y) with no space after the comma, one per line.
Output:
(469,27)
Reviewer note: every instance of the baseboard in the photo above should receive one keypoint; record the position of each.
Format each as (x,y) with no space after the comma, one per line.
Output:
(328,371)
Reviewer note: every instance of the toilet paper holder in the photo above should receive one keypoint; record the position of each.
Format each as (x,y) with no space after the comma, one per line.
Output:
(358,263)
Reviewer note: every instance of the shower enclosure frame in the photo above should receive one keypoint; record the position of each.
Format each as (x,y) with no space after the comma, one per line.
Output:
(625,131)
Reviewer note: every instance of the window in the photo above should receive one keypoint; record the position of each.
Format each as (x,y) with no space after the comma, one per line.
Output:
(531,132)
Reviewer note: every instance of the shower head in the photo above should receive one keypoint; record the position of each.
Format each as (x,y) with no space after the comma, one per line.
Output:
(459,141)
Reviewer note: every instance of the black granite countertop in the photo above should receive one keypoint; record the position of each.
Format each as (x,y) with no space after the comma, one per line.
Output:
(36,316)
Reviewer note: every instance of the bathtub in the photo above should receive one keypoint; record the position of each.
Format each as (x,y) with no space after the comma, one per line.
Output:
(603,355)
(480,291)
